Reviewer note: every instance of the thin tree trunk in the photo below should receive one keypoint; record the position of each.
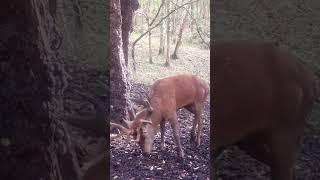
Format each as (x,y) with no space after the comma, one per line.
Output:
(167,63)
(173,31)
(149,34)
(192,23)
(161,47)
(150,49)
(174,55)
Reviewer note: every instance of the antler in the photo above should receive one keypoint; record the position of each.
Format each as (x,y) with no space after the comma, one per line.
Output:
(128,123)
(132,114)
(123,129)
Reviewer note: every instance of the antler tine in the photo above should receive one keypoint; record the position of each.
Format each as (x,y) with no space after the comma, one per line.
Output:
(148,103)
(132,114)
(128,123)
(123,129)
(114,137)
(148,98)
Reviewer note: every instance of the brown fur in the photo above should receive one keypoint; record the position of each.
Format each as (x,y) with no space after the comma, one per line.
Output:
(262,97)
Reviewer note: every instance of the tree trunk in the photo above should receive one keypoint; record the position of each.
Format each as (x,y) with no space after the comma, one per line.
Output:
(174,55)
(167,63)
(192,21)
(119,83)
(150,48)
(173,30)
(34,141)
(161,47)
(127,10)
(149,34)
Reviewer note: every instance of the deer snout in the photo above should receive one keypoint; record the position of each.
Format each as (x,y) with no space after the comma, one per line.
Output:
(146,147)
(146,150)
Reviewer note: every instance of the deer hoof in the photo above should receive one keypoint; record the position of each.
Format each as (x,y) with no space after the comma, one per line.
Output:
(198,143)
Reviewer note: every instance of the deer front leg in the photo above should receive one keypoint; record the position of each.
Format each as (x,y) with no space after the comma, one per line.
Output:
(199,120)
(162,131)
(176,133)
(193,131)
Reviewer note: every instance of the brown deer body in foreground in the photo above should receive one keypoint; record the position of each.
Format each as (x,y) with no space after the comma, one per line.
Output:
(166,96)
(262,98)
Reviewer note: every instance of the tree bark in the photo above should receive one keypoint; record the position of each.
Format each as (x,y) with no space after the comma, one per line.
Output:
(174,54)
(127,10)
(34,142)
(119,83)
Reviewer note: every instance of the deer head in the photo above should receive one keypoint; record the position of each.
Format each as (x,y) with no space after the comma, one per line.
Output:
(140,129)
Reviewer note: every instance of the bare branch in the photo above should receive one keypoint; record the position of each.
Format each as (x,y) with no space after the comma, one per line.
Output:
(155,17)
(197,25)
(160,21)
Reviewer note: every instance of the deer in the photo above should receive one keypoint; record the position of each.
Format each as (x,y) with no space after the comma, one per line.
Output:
(263,96)
(167,95)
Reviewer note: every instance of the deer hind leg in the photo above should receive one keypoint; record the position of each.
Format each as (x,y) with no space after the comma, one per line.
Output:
(199,120)
(162,131)
(176,132)
(191,108)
